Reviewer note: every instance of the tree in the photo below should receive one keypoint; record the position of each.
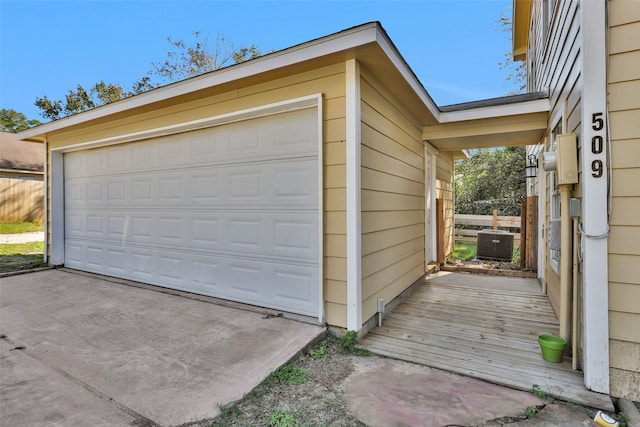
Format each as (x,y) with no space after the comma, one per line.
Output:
(183,61)
(491,179)
(518,74)
(13,121)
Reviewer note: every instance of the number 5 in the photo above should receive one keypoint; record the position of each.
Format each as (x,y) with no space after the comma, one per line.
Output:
(598,121)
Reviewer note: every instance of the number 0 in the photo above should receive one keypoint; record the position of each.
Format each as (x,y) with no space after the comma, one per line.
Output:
(596,144)
(596,167)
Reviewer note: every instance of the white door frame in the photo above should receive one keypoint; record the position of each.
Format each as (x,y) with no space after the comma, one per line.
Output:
(430,194)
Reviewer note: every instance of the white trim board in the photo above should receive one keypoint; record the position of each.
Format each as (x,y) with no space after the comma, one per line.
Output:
(354,214)
(594,219)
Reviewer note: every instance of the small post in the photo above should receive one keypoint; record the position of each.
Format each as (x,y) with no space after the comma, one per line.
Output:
(495,219)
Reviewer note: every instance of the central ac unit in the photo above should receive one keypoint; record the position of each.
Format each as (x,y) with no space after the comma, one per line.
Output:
(495,245)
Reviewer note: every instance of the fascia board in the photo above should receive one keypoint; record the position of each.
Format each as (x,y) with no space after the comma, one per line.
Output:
(338,42)
(527,107)
(392,53)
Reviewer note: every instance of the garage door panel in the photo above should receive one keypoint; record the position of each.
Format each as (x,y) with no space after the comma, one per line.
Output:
(287,135)
(265,184)
(231,211)
(270,234)
(281,285)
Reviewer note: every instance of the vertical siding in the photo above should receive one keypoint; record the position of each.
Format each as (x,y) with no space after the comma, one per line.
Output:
(392,197)
(445,192)
(624,250)
(330,81)
(22,198)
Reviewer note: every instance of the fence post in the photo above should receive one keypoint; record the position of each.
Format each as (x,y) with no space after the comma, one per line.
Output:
(495,219)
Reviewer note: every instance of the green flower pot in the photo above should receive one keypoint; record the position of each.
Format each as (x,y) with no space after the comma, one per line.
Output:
(552,347)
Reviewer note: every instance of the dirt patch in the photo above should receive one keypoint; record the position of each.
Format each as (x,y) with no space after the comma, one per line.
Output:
(317,402)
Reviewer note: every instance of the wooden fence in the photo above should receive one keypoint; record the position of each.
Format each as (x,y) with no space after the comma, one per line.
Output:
(22,200)
(526,239)
(485,221)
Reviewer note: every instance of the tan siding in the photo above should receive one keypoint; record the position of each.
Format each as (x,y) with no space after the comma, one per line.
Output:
(389,220)
(445,192)
(625,384)
(624,251)
(624,327)
(625,355)
(553,288)
(625,211)
(624,240)
(392,194)
(624,297)
(336,314)
(624,66)
(624,268)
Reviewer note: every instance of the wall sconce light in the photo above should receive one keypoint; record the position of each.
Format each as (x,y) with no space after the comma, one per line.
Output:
(532,166)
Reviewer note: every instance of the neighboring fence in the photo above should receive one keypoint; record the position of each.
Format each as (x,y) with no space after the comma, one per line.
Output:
(526,240)
(485,221)
(22,200)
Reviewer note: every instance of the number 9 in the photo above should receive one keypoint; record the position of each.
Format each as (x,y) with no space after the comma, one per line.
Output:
(597,168)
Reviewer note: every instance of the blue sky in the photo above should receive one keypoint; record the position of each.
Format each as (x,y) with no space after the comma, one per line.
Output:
(49,47)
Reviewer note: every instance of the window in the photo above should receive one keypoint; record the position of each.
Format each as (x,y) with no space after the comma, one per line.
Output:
(553,240)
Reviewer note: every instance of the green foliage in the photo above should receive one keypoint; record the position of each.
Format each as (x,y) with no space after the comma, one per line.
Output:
(320,352)
(283,419)
(464,251)
(537,391)
(491,179)
(13,121)
(622,419)
(349,344)
(289,375)
(22,248)
(518,75)
(188,60)
(183,61)
(532,411)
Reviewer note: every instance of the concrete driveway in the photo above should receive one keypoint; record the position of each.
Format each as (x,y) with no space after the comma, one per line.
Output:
(85,350)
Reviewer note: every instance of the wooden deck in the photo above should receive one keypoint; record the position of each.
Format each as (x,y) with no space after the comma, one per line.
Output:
(483,327)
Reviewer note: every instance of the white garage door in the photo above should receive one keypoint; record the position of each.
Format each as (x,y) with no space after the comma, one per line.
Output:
(230,211)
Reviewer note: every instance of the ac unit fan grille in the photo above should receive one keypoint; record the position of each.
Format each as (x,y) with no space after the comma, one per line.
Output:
(495,245)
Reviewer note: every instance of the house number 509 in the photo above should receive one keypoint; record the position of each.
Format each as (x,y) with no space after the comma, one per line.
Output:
(597,145)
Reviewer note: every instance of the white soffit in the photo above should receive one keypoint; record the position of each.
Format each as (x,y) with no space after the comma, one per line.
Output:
(514,109)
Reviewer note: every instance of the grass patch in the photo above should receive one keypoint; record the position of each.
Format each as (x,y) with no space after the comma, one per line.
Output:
(349,344)
(21,256)
(29,248)
(464,251)
(20,227)
(289,374)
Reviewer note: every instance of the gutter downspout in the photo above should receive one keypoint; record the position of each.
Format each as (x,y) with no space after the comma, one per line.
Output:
(565,262)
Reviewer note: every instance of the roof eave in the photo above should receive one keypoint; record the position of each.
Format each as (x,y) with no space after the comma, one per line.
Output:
(333,44)
(520,23)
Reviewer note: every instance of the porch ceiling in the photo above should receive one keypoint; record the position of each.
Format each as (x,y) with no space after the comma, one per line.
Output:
(499,122)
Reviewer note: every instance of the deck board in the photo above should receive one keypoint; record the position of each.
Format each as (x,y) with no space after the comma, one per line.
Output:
(482,329)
